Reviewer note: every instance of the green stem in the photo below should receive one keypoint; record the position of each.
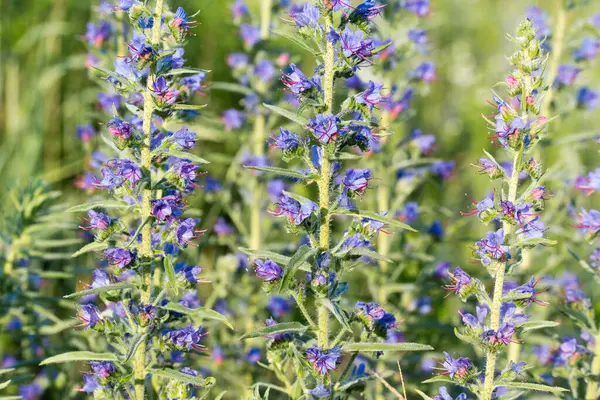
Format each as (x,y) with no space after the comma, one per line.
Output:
(324,182)
(490,367)
(265,18)
(146,249)
(592,387)
(558,41)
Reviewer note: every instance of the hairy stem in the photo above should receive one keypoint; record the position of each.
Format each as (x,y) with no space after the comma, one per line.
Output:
(146,250)
(592,386)
(490,366)
(324,182)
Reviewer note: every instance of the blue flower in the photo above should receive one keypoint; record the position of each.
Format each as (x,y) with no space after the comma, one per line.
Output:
(323,360)
(103,369)
(265,70)
(186,232)
(250,34)
(253,355)
(268,270)
(119,257)
(233,119)
(320,391)
(324,127)
(90,383)
(458,367)
(357,180)
(293,210)
(185,339)
(372,96)
(589,49)
(286,140)
(309,16)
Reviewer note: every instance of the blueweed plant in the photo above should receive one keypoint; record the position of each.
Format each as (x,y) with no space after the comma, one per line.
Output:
(338,33)
(517,127)
(141,232)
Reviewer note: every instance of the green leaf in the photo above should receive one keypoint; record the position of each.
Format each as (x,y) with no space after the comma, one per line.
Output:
(190,106)
(173,374)
(533,325)
(278,258)
(170,270)
(54,243)
(4,385)
(182,71)
(97,204)
(58,327)
(299,258)
(187,156)
(200,313)
(415,163)
(220,395)
(102,289)
(439,378)
(374,216)
(373,347)
(361,251)
(231,87)
(423,395)
(585,265)
(278,171)
(79,356)
(94,246)
(576,316)
(337,312)
(532,386)
(467,339)
(277,328)
(11,398)
(135,344)
(287,114)
(6,370)
(294,39)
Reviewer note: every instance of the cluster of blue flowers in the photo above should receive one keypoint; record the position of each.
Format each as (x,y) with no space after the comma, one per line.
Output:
(135,301)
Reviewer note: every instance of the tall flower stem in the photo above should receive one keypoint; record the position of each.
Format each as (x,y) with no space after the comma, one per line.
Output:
(324,182)
(592,387)
(490,367)
(146,250)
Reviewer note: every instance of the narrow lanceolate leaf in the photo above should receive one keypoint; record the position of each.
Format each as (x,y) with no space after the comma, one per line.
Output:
(288,114)
(278,171)
(199,313)
(439,378)
(94,246)
(4,385)
(532,386)
(80,356)
(278,258)
(182,71)
(186,156)
(467,339)
(231,87)
(102,289)
(58,327)
(175,375)
(170,271)
(135,343)
(278,328)
(374,347)
(6,370)
(415,163)
(374,216)
(97,204)
(299,258)
(336,311)
(294,39)
(423,395)
(361,251)
(533,325)
(190,106)
(579,317)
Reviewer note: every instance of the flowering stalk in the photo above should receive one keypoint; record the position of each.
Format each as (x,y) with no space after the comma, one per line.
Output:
(328,25)
(149,182)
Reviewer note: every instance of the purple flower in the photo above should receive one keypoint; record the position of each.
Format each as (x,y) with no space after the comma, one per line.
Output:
(90,383)
(101,278)
(425,72)
(97,220)
(353,44)
(103,369)
(193,83)
(418,36)
(185,339)
(126,169)
(167,208)
(476,322)
(320,391)
(297,82)
(418,7)
(186,232)
(372,310)
(595,258)
(566,75)
(293,210)
(237,60)
(164,95)
(233,119)
(443,169)
(337,5)
(189,273)
(265,70)
(86,132)
(250,34)
(460,281)
(253,355)
(109,101)
(444,395)
(517,368)
(502,336)
(590,183)
(277,336)
(268,270)
(589,222)
(119,257)
(458,367)
(543,353)
(89,315)
(357,180)
(372,96)
(286,140)
(533,229)
(96,35)
(588,98)
(140,52)
(589,49)
(275,189)
(279,306)
(239,9)
(324,127)
(492,247)
(31,391)
(222,228)
(309,16)
(508,314)
(323,360)
(119,128)
(184,138)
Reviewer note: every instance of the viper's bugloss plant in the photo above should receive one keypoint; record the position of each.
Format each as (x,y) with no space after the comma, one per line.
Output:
(136,302)
(324,136)
(515,218)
